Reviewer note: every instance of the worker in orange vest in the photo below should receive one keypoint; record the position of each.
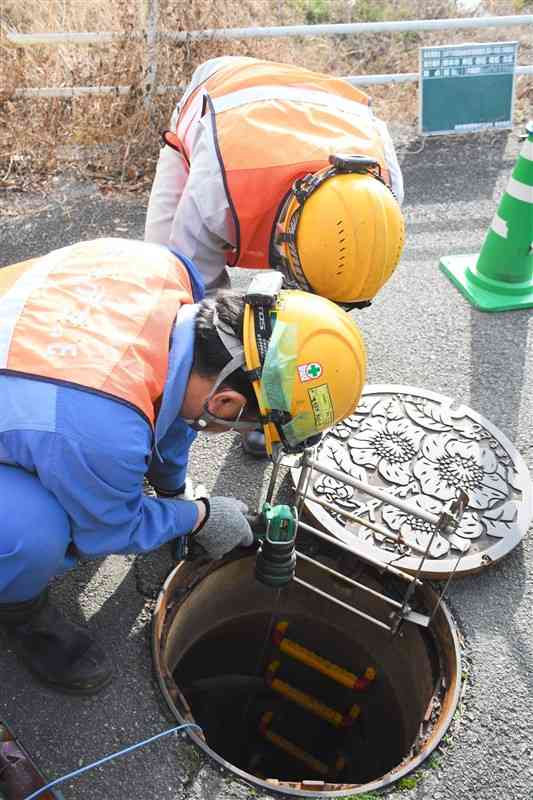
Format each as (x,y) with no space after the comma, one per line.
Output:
(270,165)
(273,166)
(110,362)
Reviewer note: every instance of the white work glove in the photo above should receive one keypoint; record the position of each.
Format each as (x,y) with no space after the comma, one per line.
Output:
(224,528)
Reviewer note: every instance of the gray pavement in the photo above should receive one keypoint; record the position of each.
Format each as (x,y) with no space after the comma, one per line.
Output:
(420,332)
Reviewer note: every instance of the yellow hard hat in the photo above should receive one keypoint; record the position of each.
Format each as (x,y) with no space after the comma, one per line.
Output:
(340,232)
(307,362)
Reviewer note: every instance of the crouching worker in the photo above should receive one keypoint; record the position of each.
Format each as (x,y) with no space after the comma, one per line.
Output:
(110,362)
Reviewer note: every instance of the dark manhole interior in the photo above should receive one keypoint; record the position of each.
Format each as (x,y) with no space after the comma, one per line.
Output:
(267,677)
(229,700)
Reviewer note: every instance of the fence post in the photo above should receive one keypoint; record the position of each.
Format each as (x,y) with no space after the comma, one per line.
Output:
(149,14)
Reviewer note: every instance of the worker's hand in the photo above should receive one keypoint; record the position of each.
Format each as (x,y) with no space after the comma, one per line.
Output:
(225,527)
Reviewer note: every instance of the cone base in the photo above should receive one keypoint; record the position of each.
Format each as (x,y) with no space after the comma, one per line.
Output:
(484,293)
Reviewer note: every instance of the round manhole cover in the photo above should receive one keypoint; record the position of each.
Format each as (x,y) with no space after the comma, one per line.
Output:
(420,447)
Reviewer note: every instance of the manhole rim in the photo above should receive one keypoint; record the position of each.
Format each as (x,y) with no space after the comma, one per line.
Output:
(438,733)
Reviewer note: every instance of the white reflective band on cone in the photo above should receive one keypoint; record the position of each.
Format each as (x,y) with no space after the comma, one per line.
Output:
(520,191)
(499,226)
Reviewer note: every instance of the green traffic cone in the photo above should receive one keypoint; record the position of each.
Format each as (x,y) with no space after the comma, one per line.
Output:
(500,278)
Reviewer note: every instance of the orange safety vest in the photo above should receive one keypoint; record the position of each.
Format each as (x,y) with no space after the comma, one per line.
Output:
(96,315)
(274,123)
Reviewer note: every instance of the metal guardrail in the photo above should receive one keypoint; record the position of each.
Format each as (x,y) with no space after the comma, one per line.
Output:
(151,36)
(337,29)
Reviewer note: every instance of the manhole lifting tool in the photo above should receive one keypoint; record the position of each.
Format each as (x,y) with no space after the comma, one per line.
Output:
(276,528)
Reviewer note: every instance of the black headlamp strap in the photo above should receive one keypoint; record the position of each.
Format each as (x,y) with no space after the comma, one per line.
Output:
(303,187)
(263,330)
(340,164)
(261,297)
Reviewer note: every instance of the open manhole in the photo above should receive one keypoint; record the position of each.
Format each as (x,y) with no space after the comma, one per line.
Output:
(295,694)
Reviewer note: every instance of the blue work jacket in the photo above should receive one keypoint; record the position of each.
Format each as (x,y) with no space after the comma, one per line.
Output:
(93,453)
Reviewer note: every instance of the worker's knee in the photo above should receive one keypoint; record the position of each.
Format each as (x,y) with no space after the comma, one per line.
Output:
(35,535)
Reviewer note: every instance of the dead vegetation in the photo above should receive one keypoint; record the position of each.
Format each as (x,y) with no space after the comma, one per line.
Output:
(113,138)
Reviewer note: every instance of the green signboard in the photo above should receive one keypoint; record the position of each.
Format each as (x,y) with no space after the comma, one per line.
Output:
(466,87)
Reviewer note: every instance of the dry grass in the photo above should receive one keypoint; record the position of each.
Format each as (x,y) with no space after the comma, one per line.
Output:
(112,136)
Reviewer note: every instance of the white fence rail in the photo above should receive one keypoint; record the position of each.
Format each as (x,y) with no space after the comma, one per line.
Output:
(151,36)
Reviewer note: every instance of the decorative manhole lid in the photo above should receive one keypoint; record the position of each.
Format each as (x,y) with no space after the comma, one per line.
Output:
(420,447)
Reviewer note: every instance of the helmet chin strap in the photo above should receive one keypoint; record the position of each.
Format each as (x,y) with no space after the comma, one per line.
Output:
(235,348)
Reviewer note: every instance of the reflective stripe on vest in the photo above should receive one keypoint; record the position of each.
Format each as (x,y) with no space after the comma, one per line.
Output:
(268,134)
(255,94)
(97,315)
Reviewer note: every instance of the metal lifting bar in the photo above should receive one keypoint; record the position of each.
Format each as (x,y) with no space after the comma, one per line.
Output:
(385,532)
(373,491)
(405,612)
(381,565)
(443,524)
(338,602)
(351,581)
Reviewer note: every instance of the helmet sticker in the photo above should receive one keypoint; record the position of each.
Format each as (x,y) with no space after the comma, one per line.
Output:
(321,406)
(310,371)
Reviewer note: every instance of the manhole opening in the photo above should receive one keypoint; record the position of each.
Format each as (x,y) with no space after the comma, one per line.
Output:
(222,677)
(249,668)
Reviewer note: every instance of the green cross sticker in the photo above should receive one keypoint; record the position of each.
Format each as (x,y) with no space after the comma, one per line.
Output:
(310,371)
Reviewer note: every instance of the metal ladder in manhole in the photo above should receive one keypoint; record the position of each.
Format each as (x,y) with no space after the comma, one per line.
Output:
(272,723)
(301,718)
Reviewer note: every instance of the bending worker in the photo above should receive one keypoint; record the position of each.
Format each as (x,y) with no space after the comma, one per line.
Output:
(270,165)
(110,362)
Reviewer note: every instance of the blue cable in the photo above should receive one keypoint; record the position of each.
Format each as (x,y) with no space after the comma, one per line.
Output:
(109,758)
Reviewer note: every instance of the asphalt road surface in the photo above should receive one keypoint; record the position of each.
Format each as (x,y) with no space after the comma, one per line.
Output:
(420,332)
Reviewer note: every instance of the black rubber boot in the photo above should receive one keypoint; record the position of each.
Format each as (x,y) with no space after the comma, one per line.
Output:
(253,443)
(57,651)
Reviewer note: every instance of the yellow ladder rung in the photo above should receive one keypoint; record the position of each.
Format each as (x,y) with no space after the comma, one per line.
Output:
(293,750)
(316,662)
(309,703)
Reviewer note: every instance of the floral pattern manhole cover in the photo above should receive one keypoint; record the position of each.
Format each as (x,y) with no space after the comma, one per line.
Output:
(420,447)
